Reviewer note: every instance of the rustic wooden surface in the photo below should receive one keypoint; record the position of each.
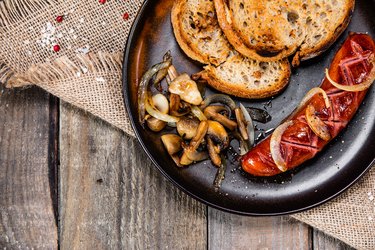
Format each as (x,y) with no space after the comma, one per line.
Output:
(26,206)
(70,180)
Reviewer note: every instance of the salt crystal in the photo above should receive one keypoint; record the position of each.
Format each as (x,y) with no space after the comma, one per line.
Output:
(370,218)
(71,31)
(27,42)
(78,74)
(330,157)
(342,141)
(371,198)
(29,53)
(100,79)
(369,193)
(104,23)
(84,70)
(69,47)
(59,35)
(82,20)
(75,37)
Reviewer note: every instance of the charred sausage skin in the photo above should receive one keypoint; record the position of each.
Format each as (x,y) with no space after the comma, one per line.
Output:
(351,65)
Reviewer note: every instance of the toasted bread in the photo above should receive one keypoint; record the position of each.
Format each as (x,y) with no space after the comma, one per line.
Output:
(270,30)
(247,78)
(325,22)
(198,33)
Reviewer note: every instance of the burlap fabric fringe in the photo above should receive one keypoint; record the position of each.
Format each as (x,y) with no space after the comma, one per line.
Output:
(87,73)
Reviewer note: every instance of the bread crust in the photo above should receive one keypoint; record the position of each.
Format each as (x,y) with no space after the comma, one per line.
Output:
(337,23)
(271,81)
(176,16)
(233,35)
(306,54)
(240,90)
(198,33)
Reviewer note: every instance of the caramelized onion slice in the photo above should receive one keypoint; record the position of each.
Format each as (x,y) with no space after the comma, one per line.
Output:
(312,92)
(154,112)
(198,113)
(275,145)
(161,103)
(357,87)
(316,124)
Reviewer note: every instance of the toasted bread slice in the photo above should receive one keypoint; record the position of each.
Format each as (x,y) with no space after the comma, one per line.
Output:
(247,78)
(197,31)
(228,71)
(263,30)
(326,20)
(269,30)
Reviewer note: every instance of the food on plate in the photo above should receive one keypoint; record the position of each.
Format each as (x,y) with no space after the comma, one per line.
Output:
(246,78)
(322,114)
(204,127)
(271,30)
(197,31)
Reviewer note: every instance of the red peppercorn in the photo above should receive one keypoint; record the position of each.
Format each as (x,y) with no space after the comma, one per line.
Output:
(102,1)
(126,16)
(59,19)
(56,48)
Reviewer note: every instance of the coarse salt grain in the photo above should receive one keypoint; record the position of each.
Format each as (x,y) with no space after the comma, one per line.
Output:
(26,42)
(78,74)
(84,70)
(100,79)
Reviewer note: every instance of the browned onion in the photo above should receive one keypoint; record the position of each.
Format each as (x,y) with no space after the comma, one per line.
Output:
(316,124)
(357,87)
(275,145)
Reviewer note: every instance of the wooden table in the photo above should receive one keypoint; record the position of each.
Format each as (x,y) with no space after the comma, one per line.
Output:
(68,179)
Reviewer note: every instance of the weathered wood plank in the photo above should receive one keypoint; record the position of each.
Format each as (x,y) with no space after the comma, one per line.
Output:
(229,231)
(111,197)
(26,212)
(324,242)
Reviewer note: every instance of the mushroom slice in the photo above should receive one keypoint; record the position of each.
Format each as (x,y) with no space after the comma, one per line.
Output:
(194,156)
(217,133)
(173,145)
(219,98)
(213,152)
(154,124)
(191,149)
(186,88)
(213,112)
(187,127)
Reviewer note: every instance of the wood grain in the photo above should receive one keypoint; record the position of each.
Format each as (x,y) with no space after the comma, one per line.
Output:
(111,197)
(229,231)
(324,242)
(26,208)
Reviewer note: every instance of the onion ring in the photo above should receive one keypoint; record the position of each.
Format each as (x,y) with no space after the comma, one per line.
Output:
(275,145)
(357,87)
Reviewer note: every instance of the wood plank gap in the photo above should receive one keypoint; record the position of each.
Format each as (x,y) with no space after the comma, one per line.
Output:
(53,154)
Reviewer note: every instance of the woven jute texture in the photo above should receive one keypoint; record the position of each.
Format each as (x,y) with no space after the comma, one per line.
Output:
(86,72)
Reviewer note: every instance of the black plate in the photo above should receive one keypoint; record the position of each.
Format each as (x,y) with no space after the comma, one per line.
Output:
(332,171)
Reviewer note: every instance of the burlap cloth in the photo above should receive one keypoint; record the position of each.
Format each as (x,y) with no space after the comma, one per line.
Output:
(87,73)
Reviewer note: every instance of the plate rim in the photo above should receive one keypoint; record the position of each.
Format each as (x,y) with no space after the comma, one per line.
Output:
(132,119)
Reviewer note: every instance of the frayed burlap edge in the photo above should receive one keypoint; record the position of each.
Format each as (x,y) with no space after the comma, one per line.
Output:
(91,82)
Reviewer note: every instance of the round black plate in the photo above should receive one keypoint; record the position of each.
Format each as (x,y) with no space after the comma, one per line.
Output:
(332,171)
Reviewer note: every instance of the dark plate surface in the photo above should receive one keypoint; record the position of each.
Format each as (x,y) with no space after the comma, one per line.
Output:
(333,170)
